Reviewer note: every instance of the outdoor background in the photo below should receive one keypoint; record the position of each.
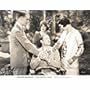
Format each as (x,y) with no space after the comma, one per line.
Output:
(80,19)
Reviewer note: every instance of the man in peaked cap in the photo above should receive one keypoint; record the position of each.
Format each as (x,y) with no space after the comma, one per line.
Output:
(20,45)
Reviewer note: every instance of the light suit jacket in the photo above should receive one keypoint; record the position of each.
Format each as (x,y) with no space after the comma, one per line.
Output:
(19,46)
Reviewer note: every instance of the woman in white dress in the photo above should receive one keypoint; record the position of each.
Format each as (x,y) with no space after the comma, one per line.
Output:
(48,61)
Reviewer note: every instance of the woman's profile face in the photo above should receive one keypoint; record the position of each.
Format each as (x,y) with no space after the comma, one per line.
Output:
(43,28)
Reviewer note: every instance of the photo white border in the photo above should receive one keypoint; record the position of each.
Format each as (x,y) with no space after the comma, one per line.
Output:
(58,83)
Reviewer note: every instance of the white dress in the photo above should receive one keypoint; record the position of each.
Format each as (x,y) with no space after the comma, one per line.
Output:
(47,58)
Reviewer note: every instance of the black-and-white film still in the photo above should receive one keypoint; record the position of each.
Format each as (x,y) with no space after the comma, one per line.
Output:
(44,42)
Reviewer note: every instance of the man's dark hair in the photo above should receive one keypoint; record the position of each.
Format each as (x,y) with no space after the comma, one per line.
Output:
(64,21)
(21,14)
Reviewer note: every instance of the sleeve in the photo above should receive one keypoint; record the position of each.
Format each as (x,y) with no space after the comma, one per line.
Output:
(80,45)
(21,37)
(36,39)
(59,43)
(80,49)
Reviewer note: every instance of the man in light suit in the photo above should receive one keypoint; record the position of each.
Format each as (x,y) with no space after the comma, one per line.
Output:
(20,45)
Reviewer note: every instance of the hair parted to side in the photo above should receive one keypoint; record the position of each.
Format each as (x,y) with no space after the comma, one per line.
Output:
(64,21)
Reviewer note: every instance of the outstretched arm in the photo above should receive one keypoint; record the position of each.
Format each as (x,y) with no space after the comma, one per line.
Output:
(59,43)
(21,37)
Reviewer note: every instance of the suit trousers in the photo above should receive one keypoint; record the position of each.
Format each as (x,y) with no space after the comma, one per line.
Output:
(20,71)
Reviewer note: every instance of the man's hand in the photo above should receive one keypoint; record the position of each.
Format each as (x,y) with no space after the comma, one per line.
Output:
(65,64)
(70,61)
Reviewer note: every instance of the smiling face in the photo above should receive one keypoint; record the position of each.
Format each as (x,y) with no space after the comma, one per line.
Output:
(43,27)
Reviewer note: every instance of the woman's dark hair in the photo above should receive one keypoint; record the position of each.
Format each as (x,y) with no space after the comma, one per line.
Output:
(64,21)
